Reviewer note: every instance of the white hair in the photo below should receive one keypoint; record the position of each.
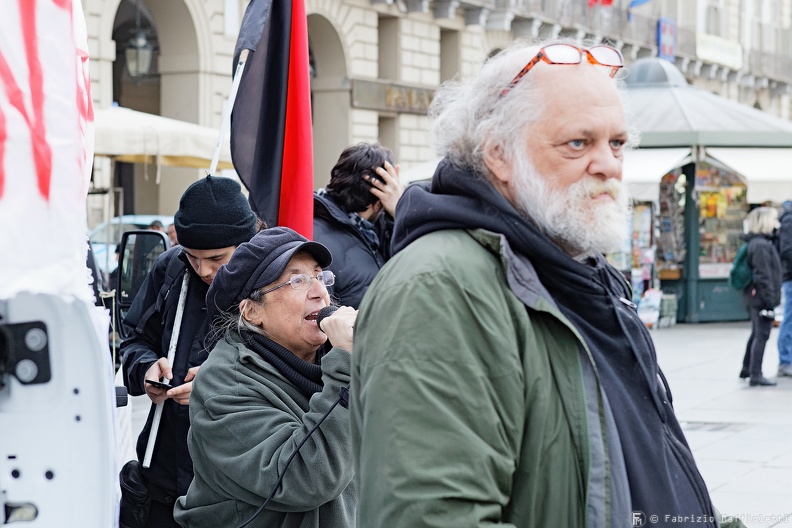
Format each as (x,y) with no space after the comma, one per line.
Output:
(473,115)
(762,221)
(467,115)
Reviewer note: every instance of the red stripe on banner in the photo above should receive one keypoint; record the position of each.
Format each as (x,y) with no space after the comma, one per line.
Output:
(63,4)
(16,99)
(296,193)
(42,153)
(14,94)
(89,115)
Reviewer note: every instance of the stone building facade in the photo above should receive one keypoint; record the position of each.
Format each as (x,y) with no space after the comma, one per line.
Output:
(376,63)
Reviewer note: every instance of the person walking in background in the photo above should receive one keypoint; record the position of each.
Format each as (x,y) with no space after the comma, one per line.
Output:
(271,377)
(785,331)
(174,240)
(353,217)
(156,225)
(500,373)
(214,217)
(764,292)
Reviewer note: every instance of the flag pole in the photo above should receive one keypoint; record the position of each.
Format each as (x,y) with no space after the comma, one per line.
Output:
(226,123)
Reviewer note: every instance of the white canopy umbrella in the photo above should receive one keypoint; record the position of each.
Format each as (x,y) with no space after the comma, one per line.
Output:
(137,137)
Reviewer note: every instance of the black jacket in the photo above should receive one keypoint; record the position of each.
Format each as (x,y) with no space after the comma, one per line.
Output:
(150,325)
(662,473)
(355,261)
(785,240)
(764,292)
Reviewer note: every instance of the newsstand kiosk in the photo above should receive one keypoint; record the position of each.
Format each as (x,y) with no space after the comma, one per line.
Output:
(701,208)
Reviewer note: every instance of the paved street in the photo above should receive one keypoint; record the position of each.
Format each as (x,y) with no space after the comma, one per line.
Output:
(741,436)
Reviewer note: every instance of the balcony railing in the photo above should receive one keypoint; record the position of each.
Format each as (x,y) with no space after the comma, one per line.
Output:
(612,23)
(615,24)
(686,42)
(770,65)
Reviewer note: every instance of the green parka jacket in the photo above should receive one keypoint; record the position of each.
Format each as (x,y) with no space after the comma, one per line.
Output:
(488,411)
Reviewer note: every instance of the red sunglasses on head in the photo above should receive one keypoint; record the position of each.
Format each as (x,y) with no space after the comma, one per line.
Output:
(568,54)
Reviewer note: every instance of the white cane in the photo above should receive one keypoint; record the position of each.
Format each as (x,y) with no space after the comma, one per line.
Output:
(226,123)
(171,352)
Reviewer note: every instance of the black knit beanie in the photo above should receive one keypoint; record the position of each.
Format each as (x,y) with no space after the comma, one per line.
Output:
(213,213)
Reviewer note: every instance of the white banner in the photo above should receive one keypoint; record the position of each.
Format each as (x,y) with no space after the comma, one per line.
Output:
(46,148)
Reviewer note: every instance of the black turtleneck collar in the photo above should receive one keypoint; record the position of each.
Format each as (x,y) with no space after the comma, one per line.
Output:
(307,377)
(462,199)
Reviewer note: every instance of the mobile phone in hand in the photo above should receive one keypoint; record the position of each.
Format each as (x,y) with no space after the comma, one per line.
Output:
(159,384)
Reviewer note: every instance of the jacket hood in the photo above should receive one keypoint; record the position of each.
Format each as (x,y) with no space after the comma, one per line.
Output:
(325,207)
(459,198)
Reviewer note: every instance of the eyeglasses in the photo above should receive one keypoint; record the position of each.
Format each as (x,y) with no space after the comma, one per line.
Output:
(568,54)
(302,281)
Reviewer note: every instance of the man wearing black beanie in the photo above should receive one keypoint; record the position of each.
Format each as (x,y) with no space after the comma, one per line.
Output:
(214,217)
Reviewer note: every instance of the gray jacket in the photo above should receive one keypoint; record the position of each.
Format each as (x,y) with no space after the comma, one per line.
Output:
(764,293)
(247,420)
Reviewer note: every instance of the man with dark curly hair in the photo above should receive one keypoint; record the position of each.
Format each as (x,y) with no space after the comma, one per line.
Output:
(353,217)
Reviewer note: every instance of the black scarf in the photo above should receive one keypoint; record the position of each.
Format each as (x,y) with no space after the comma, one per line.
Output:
(307,377)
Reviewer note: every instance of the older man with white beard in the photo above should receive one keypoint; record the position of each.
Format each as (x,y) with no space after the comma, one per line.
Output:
(501,375)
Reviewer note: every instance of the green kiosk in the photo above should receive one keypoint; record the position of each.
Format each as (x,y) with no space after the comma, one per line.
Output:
(702,200)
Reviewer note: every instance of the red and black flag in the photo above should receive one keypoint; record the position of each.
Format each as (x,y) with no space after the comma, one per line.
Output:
(271,140)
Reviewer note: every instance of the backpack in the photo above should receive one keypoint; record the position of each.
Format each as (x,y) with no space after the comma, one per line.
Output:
(740,275)
(173,273)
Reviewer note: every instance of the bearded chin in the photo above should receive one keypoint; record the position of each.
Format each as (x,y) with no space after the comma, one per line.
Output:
(572,218)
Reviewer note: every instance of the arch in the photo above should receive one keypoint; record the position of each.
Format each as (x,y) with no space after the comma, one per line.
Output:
(329,23)
(195,10)
(185,68)
(332,53)
(331,101)
(185,87)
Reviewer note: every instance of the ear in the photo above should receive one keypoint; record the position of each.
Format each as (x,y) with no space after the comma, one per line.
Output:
(495,161)
(250,311)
